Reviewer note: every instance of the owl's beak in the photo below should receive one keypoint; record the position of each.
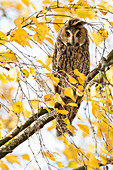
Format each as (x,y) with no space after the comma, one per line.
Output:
(73,40)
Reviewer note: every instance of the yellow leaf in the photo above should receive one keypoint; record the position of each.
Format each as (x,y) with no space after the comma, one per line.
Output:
(54,79)
(84,128)
(46,2)
(72,104)
(109,74)
(8,56)
(32,71)
(64,112)
(20,36)
(33,168)
(41,30)
(70,152)
(71,128)
(79,118)
(12,159)
(26,2)
(65,141)
(80,76)
(83,3)
(44,10)
(103,101)
(60,165)
(50,40)
(52,126)
(72,80)
(26,113)
(6,4)
(33,6)
(3,38)
(80,88)
(13,74)
(34,19)
(80,80)
(17,107)
(72,164)
(66,120)
(35,103)
(26,156)
(103,150)
(103,159)
(49,100)
(18,22)
(100,36)
(105,6)
(1,124)
(104,126)
(83,12)
(39,37)
(54,4)
(3,166)
(91,148)
(48,110)
(57,26)
(3,79)
(108,101)
(70,1)
(58,99)
(69,92)
(26,73)
(95,108)
(100,114)
(93,161)
(44,65)
(48,60)
(111,23)
(76,72)
(19,6)
(49,155)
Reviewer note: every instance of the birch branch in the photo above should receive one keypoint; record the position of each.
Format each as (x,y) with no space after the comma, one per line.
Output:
(25,134)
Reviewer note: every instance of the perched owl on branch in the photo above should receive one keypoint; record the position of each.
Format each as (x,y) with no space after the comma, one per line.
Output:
(71,52)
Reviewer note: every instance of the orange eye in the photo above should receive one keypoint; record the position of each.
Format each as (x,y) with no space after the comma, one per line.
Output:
(78,34)
(67,34)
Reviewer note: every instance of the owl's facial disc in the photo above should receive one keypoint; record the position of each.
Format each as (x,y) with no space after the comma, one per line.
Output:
(72,38)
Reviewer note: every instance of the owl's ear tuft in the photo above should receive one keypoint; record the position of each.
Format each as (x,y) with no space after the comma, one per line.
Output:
(76,22)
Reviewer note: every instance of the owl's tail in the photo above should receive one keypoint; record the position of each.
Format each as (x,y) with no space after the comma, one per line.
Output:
(61,128)
(63,122)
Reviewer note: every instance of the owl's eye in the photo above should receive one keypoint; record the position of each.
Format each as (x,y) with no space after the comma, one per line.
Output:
(78,34)
(67,34)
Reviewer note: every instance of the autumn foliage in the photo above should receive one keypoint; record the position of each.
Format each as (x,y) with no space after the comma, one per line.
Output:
(27,98)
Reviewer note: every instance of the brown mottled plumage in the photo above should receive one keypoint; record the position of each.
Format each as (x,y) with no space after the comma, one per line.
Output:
(71,52)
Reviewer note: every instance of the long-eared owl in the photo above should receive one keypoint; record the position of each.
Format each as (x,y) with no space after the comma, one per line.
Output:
(71,52)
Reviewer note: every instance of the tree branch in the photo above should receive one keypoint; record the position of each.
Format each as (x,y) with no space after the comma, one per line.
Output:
(105,62)
(24,135)
(21,127)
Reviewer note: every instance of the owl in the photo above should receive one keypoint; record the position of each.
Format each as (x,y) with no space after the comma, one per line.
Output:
(71,52)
